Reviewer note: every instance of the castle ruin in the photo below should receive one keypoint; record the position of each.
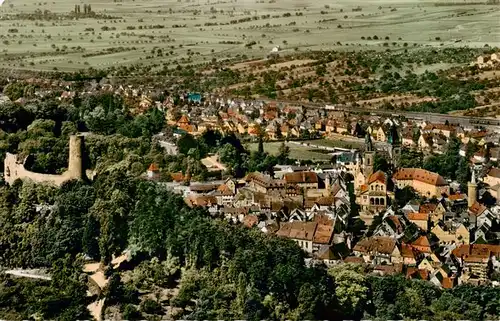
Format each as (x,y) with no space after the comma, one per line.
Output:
(14,168)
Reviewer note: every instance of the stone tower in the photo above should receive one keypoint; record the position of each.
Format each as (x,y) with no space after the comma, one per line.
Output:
(472,190)
(395,146)
(368,156)
(75,165)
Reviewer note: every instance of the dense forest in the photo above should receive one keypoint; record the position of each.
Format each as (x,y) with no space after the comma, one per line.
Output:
(211,269)
(220,270)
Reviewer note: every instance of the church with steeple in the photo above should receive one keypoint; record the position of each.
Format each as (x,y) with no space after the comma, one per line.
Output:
(370,186)
(364,166)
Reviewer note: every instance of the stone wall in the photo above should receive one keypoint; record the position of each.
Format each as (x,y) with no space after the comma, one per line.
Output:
(14,168)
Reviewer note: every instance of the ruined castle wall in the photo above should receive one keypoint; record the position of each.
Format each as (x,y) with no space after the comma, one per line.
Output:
(14,169)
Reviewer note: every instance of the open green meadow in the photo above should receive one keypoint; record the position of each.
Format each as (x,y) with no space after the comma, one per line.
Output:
(339,142)
(49,35)
(296,151)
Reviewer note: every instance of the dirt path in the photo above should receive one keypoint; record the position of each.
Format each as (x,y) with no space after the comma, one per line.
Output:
(100,279)
(212,163)
(32,274)
(95,309)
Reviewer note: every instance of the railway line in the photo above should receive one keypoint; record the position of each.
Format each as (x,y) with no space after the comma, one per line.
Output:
(488,123)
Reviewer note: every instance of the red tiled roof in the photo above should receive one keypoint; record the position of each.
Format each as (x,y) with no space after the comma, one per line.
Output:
(422,241)
(379,244)
(354,259)
(397,223)
(177,177)
(323,234)
(301,178)
(477,209)
(484,250)
(415,273)
(389,269)
(418,216)
(309,231)
(442,127)
(250,220)
(427,208)
(378,176)
(225,190)
(457,197)
(153,167)
(424,274)
(410,271)
(323,219)
(421,175)
(475,259)
(298,230)
(200,200)
(479,134)
(447,283)
(183,120)
(324,201)
(408,251)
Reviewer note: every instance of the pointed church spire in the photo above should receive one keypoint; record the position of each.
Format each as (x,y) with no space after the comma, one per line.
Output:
(393,137)
(368,143)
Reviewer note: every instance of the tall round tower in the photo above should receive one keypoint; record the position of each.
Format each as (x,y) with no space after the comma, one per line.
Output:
(75,165)
(368,156)
(472,190)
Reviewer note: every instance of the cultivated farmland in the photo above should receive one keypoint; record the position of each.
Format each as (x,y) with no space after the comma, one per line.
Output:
(55,35)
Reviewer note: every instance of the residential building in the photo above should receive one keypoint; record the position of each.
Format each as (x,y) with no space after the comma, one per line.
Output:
(451,234)
(419,219)
(422,244)
(443,129)
(378,250)
(410,255)
(392,226)
(380,134)
(310,236)
(305,180)
(407,139)
(492,178)
(480,215)
(426,183)
(153,171)
(264,183)
(373,195)
(476,261)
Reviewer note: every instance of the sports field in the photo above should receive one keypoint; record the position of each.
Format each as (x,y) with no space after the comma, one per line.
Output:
(50,35)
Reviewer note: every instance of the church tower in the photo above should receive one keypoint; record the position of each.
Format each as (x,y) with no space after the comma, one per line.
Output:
(368,156)
(472,190)
(395,146)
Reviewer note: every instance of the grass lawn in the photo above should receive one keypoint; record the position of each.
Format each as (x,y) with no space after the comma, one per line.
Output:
(349,142)
(296,151)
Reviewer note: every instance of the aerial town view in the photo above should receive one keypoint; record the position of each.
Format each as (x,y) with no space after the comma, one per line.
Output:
(250,160)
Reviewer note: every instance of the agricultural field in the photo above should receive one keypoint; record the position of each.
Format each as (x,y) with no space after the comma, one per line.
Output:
(53,35)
